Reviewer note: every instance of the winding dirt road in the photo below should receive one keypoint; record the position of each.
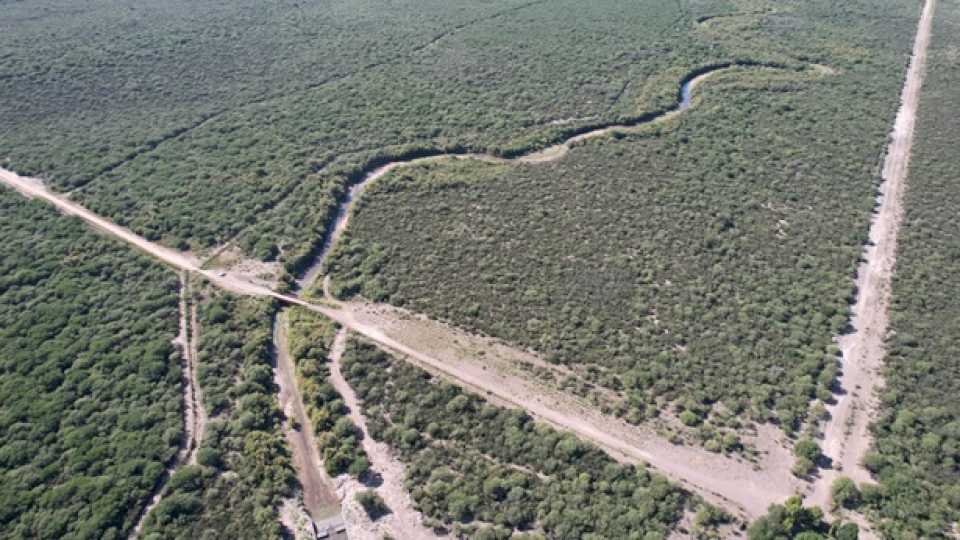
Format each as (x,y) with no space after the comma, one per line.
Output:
(846,436)
(404,521)
(546,155)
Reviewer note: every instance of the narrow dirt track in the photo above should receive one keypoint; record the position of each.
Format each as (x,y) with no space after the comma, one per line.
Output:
(192,410)
(319,495)
(404,521)
(546,155)
(846,436)
(200,412)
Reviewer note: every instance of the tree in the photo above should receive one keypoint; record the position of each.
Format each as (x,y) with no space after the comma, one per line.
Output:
(788,521)
(845,531)
(844,493)
(372,504)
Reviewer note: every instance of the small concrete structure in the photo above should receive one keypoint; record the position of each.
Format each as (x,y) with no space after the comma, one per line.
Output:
(330,529)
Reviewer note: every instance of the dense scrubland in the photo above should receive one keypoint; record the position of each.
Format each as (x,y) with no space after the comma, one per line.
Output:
(311,337)
(90,410)
(243,468)
(184,142)
(704,264)
(488,471)
(244,134)
(699,268)
(102,81)
(917,447)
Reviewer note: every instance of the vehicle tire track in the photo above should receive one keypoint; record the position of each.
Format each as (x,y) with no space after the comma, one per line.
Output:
(319,496)
(192,409)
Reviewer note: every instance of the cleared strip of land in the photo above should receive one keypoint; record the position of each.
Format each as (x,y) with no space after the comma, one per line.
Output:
(319,495)
(846,436)
(194,416)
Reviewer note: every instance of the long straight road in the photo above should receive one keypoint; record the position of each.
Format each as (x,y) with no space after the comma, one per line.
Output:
(846,436)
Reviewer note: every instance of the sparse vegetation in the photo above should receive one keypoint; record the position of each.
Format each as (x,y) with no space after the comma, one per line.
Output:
(90,411)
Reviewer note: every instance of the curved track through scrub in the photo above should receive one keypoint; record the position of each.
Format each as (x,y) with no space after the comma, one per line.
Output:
(403,521)
(743,488)
(846,436)
(546,155)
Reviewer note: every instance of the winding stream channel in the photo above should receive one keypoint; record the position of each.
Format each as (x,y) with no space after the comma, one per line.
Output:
(546,155)
(739,487)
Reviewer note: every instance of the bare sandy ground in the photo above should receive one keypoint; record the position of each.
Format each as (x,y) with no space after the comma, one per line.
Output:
(404,521)
(488,368)
(846,436)
(319,495)
(296,520)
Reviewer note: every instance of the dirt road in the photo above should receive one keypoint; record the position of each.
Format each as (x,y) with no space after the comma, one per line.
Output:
(319,494)
(846,435)
(404,521)
(730,483)
(487,368)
